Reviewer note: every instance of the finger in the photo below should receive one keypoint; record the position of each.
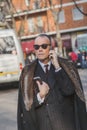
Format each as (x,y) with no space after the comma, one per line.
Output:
(50,56)
(38,83)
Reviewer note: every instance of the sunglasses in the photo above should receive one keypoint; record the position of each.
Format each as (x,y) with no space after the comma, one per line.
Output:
(43,46)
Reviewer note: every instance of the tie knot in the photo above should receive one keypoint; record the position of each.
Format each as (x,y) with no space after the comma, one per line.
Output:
(46,68)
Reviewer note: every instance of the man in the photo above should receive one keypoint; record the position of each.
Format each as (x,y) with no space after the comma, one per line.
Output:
(56,102)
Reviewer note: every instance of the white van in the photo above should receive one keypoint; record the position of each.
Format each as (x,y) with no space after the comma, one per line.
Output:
(11,56)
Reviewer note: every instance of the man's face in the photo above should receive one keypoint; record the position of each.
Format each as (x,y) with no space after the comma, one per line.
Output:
(42,52)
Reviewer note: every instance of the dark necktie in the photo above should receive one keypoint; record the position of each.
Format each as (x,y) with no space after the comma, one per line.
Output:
(46,68)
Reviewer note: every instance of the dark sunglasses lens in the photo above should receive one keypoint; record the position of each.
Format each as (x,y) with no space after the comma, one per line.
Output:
(36,47)
(44,46)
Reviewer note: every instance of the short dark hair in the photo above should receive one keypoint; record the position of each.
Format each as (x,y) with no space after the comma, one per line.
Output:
(46,35)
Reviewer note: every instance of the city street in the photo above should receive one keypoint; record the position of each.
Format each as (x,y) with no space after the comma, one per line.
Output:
(61,26)
(8,109)
(83,77)
(8,104)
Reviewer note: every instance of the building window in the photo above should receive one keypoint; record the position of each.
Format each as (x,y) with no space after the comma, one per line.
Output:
(39,21)
(31,25)
(27,2)
(36,4)
(77,15)
(39,24)
(61,17)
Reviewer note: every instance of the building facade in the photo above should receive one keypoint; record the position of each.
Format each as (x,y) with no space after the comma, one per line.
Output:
(32,17)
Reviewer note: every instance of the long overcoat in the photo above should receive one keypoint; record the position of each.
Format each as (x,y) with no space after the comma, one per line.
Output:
(27,118)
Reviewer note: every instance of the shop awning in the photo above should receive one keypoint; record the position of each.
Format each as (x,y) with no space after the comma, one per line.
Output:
(27,46)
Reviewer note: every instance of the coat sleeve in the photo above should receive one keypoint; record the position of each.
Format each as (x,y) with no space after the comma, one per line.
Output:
(65,83)
(80,114)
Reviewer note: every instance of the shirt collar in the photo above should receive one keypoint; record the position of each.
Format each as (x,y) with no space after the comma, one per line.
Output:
(42,65)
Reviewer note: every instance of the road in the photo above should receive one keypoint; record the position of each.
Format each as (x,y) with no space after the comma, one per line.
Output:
(8,104)
(83,77)
(8,109)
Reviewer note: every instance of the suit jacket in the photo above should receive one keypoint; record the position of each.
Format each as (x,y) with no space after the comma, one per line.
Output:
(62,109)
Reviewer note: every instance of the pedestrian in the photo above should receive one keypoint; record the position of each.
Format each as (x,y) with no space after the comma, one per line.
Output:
(73,56)
(50,99)
(79,60)
(84,63)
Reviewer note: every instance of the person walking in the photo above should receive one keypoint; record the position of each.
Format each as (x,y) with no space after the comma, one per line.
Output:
(50,92)
(73,56)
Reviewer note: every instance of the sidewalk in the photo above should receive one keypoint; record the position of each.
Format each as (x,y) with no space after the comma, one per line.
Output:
(83,77)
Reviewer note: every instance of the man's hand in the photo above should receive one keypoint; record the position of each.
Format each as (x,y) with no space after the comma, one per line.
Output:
(43,89)
(54,59)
